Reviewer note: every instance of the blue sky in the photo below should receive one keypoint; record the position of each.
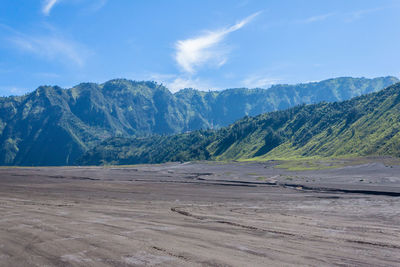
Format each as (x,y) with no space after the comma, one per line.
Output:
(201,44)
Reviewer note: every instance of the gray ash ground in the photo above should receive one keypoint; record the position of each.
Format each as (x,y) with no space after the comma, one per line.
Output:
(201,214)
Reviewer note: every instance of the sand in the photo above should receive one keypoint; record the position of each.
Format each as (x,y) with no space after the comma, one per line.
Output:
(200,214)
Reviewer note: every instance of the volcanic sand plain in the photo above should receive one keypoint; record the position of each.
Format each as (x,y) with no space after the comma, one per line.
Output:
(344,212)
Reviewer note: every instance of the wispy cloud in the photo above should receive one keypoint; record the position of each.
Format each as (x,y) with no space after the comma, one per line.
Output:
(348,17)
(48,5)
(317,18)
(175,82)
(97,5)
(195,52)
(181,83)
(259,81)
(84,5)
(12,90)
(358,14)
(51,47)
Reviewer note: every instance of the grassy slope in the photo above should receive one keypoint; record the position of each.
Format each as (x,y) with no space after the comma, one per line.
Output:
(366,125)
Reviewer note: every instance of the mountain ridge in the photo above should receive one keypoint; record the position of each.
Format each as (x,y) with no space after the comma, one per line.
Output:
(55,126)
(365,125)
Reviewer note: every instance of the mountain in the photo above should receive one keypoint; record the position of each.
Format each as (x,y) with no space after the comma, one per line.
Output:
(364,125)
(224,107)
(55,126)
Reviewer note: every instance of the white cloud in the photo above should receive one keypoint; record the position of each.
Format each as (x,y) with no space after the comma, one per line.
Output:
(358,14)
(12,90)
(175,83)
(259,81)
(181,83)
(51,47)
(97,5)
(317,18)
(195,52)
(88,5)
(48,5)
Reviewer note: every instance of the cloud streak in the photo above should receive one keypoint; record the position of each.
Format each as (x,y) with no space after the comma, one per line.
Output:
(51,47)
(359,14)
(195,52)
(317,18)
(48,6)
(259,81)
(175,82)
(98,5)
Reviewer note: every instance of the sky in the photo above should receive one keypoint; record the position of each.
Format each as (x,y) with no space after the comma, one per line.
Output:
(207,45)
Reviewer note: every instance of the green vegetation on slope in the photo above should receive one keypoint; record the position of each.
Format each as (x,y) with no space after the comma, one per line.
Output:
(54,126)
(365,125)
(153,149)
